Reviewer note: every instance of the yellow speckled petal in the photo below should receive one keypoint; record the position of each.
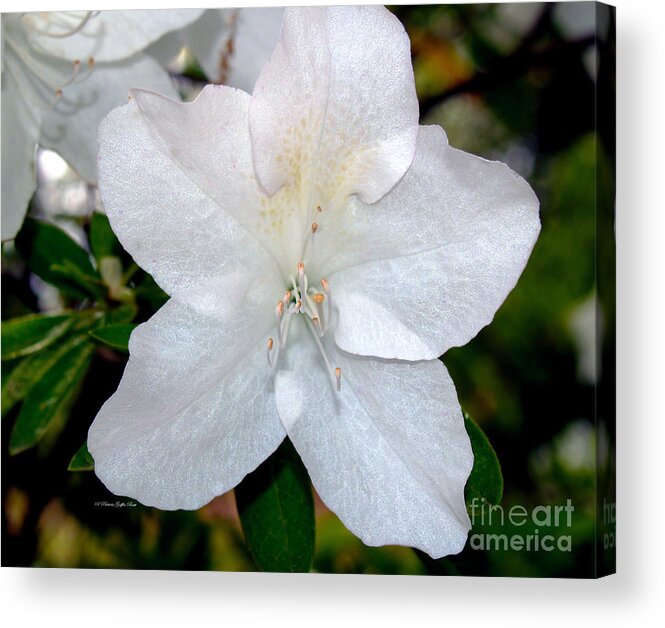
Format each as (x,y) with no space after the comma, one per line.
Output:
(334,112)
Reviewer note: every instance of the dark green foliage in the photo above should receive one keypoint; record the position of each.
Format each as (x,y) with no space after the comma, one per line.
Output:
(485,481)
(103,242)
(52,255)
(114,336)
(50,395)
(27,334)
(81,460)
(30,371)
(277,513)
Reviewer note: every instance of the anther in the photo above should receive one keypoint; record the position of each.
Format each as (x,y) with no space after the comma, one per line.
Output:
(91,67)
(317,325)
(287,297)
(70,80)
(338,377)
(318,299)
(74,74)
(298,305)
(279,311)
(269,356)
(319,209)
(315,226)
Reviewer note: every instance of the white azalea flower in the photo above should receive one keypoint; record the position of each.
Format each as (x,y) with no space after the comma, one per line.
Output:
(321,251)
(61,74)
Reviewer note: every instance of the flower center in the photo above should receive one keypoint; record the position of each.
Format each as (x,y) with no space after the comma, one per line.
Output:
(316,309)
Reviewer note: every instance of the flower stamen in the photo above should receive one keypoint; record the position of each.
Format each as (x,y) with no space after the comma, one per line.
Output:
(279,312)
(326,291)
(318,299)
(285,326)
(72,76)
(272,359)
(302,281)
(306,301)
(91,67)
(317,326)
(335,373)
(42,83)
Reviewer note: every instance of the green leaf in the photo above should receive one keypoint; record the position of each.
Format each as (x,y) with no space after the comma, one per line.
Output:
(277,513)
(49,394)
(121,315)
(114,336)
(27,334)
(82,460)
(67,272)
(50,253)
(28,372)
(486,480)
(103,241)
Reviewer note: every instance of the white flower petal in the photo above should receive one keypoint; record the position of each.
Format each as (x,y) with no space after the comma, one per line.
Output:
(166,48)
(108,36)
(20,130)
(256,34)
(195,410)
(208,140)
(231,45)
(335,110)
(388,453)
(207,39)
(448,244)
(70,127)
(172,227)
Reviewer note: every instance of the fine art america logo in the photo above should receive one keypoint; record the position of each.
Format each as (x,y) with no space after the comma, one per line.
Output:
(543,528)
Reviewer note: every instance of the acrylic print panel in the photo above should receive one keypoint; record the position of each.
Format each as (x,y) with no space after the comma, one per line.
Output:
(310,289)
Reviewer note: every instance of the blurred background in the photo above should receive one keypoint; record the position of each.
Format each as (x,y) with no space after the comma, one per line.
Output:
(522,83)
